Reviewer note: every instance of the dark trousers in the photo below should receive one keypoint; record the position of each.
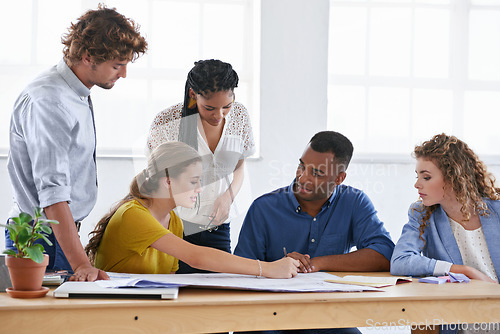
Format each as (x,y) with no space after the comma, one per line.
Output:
(57,259)
(219,239)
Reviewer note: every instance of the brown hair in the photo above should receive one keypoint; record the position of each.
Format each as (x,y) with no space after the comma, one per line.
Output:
(462,171)
(167,160)
(105,35)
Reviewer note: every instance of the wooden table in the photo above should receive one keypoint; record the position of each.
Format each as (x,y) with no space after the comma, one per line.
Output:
(211,310)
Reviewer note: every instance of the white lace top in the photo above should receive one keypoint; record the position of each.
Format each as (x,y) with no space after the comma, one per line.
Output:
(473,249)
(475,254)
(236,143)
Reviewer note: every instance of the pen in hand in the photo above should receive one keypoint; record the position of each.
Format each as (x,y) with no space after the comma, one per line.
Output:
(284,251)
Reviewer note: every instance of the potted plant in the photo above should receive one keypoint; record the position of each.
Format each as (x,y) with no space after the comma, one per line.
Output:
(27,263)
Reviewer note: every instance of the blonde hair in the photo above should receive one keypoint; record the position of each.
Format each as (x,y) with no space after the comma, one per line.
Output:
(167,160)
(462,171)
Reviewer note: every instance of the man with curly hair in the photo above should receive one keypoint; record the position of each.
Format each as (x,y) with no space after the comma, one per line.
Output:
(52,160)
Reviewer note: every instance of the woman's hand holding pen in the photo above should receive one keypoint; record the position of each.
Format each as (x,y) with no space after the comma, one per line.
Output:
(282,268)
(305,262)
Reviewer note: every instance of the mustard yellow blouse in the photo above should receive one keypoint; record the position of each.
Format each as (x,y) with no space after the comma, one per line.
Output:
(125,245)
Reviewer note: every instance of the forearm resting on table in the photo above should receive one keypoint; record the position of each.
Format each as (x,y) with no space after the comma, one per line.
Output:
(67,234)
(365,259)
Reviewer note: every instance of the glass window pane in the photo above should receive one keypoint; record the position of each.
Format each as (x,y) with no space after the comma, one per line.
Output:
(19,42)
(347,47)
(391,1)
(166,93)
(122,120)
(51,28)
(390,41)
(431,50)
(481,119)
(344,1)
(224,33)
(485,2)
(347,113)
(484,50)
(388,120)
(433,2)
(432,113)
(174,40)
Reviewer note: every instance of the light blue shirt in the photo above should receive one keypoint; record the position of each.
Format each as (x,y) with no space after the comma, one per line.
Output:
(52,144)
(276,220)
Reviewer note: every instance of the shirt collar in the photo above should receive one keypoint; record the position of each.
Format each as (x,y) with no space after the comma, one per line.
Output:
(72,80)
(295,203)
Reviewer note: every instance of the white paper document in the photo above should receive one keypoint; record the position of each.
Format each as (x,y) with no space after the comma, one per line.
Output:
(311,282)
(374,281)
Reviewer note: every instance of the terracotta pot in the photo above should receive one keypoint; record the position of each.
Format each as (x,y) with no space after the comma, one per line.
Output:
(26,274)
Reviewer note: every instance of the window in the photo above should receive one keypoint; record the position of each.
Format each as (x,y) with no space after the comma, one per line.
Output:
(179,32)
(401,71)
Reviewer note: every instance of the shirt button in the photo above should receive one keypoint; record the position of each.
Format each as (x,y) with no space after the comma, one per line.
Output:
(82,98)
(314,219)
(312,240)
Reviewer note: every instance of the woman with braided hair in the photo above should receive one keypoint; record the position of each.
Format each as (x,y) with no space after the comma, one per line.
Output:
(143,235)
(455,226)
(212,122)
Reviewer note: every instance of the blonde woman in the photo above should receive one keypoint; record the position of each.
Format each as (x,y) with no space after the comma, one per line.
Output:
(142,233)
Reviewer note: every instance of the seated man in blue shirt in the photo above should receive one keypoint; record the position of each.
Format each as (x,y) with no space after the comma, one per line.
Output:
(316,218)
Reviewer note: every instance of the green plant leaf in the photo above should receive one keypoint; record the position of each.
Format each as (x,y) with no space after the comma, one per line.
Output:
(12,232)
(45,229)
(25,218)
(23,237)
(49,221)
(42,236)
(35,252)
(16,220)
(10,252)
(38,211)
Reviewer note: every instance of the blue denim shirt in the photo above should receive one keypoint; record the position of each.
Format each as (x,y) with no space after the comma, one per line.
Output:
(275,220)
(52,144)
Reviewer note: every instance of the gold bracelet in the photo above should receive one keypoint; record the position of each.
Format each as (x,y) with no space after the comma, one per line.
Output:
(260,268)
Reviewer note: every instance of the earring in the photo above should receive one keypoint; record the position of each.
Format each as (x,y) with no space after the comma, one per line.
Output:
(191,103)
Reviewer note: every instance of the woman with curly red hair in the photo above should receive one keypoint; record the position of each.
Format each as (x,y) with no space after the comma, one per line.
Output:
(455,226)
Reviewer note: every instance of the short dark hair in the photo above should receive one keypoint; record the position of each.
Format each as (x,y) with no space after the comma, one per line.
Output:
(333,142)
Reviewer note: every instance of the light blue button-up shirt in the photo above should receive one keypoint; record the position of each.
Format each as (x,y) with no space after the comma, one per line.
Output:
(52,144)
(276,220)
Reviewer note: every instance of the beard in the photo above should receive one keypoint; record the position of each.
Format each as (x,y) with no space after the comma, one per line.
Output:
(104,85)
(108,85)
